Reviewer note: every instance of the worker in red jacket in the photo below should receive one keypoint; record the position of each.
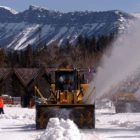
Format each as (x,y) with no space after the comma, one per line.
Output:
(1,105)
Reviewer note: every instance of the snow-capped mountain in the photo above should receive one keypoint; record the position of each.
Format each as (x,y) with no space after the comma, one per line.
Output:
(35,24)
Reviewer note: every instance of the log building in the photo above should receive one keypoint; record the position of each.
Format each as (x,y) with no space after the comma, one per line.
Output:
(20,82)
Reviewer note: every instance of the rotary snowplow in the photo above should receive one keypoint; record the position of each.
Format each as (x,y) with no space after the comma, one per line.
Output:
(65,100)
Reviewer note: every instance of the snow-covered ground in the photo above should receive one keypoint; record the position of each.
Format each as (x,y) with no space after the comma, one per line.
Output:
(121,126)
(19,124)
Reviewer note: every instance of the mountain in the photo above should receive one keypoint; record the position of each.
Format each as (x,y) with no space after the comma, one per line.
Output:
(36,24)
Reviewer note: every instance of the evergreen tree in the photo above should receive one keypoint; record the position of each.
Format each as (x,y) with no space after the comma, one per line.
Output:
(29,56)
(3,58)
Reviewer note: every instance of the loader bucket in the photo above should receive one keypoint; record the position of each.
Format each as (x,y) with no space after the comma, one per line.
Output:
(82,115)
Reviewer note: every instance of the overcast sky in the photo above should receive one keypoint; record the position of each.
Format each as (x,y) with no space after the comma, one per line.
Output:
(76,5)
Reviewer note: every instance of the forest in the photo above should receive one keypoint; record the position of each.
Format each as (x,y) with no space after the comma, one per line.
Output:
(85,52)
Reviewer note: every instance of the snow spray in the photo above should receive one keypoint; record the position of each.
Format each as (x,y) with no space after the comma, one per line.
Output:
(123,62)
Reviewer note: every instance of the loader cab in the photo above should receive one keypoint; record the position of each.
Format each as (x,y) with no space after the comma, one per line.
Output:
(66,80)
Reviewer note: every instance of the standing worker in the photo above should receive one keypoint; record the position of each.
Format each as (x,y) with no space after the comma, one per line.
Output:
(1,105)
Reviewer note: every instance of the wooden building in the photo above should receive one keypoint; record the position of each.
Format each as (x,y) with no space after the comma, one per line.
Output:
(20,82)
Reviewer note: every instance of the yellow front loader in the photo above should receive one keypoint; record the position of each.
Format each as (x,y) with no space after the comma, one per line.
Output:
(66,100)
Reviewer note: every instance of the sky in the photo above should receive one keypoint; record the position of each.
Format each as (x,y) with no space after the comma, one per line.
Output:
(130,6)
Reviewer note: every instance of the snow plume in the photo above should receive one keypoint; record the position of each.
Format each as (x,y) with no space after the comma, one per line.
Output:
(123,62)
(60,129)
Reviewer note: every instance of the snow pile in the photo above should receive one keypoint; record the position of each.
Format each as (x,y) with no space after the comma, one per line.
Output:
(122,123)
(125,124)
(60,129)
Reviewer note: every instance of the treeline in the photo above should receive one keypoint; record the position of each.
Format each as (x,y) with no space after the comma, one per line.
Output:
(85,52)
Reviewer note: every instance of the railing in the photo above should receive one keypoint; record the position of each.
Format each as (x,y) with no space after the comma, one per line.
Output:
(40,94)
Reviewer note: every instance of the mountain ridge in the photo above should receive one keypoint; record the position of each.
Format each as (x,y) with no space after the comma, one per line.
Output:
(36,24)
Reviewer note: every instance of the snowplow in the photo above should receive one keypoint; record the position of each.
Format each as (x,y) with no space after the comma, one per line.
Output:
(126,102)
(65,100)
